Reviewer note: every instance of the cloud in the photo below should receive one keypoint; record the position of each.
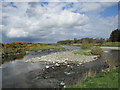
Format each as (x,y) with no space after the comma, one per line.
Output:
(16,33)
(60,0)
(49,22)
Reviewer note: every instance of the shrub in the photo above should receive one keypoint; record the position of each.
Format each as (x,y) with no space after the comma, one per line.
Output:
(96,51)
(86,45)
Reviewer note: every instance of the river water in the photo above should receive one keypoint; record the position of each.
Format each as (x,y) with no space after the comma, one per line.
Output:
(18,74)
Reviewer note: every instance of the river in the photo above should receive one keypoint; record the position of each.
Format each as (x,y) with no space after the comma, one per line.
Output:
(18,74)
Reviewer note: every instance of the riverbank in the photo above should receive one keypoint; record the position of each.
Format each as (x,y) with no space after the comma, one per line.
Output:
(102,80)
(10,53)
(106,44)
(112,48)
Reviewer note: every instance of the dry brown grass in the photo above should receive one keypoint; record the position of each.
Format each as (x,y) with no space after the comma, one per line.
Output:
(111,64)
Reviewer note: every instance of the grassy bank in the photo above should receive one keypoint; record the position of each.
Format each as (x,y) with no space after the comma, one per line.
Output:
(83,52)
(102,80)
(44,47)
(91,51)
(111,44)
(19,48)
(107,44)
(13,48)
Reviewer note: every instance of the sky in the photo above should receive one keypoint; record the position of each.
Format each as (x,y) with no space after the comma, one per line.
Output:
(49,22)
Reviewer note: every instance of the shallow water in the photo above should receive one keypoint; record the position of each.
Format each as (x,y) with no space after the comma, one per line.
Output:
(18,74)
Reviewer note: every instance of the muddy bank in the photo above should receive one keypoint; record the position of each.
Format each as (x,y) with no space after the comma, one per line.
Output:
(62,75)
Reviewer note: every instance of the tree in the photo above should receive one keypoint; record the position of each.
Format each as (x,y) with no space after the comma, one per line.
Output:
(75,40)
(115,36)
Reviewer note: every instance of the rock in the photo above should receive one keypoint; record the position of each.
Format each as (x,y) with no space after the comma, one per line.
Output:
(26,61)
(67,73)
(57,64)
(71,66)
(64,86)
(66,59)
(65,62)
(68,65)
(53,62)
(95,57)
(53,67)
(27,52)
(47,67)
(62,83)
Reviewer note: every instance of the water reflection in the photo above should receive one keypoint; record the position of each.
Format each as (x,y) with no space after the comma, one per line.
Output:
(12,58)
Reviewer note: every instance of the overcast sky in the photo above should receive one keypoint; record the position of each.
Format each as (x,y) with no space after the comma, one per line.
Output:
(48,22)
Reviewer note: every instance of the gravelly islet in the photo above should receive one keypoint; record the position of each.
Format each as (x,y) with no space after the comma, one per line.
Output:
(64,57)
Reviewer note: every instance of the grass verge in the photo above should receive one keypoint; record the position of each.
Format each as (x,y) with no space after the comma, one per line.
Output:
(102,80)
(83,52)
(92,51)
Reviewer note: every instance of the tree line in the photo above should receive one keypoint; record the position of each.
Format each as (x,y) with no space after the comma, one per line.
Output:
(114,37)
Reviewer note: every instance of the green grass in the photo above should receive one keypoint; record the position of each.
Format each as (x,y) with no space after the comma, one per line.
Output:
(102,80)
(106,44)
(83,52)
(16,52)
(112,44)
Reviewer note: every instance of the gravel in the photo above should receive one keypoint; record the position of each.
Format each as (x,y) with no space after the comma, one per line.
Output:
(63,57)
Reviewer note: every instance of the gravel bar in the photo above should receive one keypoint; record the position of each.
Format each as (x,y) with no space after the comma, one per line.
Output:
(64,57)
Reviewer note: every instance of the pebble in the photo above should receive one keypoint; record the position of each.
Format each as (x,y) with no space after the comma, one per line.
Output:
(68,65)
(57,64)
(67,73)
(71,66)
(53,67)
(64,57)
(62,83)
(65,62)
(47,67)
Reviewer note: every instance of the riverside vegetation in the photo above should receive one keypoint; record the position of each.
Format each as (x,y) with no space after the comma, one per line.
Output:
(102,80)
(19,48)
(112,41)
(89,49)
(108,78)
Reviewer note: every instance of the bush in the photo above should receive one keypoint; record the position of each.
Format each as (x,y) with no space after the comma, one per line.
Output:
(96,51)
(86,45)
